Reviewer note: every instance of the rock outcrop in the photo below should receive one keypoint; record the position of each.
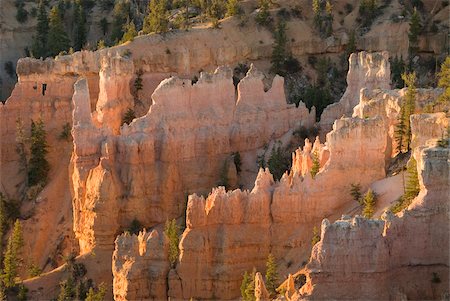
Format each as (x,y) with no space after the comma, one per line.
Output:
(387,259)
(136,259)
(177,148)
(366,70)
(231,232)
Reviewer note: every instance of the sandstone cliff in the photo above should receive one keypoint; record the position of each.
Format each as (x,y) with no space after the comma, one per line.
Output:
(366,70)
(388,260)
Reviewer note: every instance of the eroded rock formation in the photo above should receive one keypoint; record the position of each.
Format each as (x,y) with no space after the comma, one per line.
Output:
(401,256)
(177,148)
(366,70)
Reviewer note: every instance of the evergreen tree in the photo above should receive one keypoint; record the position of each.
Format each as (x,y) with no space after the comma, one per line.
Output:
(403,128)
(80,27)
(410,104)
(316,236)
(104,25)
(21,14)
(400,129)
(244,284)
(355,191)
(156,20)
(263,15)
(397,69)
(98,295)
(129,116)
(444,81)
(351,45)
(57,37)
(412,188)
(171,231)
(369,204)
(12,257)
(271,275)
(317,8)
(38,166)
(248,286)
(129,32)
(279,49)
(315,164)
(121,13)
(414,30)
(278,162)
(232,7)
(39,46)
(67,290)
(21,141)
(3,221)
(138,83)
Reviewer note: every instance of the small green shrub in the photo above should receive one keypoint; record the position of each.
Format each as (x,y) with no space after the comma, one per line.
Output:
(171,230)
(271,275)
(65,133)
(129,116)
(315,164)
(316,236)
(237,161)
(135,227)
(279,161)
(248,286)
(355,192)
(369,203)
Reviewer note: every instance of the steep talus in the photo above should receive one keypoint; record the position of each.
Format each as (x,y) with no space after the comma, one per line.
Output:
(401,256)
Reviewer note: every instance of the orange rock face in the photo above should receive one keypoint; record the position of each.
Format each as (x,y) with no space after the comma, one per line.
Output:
(401,256)
(178,147)
(366,70)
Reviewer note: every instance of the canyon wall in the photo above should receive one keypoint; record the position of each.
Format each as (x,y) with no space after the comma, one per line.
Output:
(177,148)
(401,256)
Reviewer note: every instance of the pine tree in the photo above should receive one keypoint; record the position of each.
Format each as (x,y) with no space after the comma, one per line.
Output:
(38,167)
(57,37)
(12,257)
(263,15)
(369,204)
(104,25)
(171,231)
(400,129)
(99,295)
(80,28)
(156,20)
(129,32)
(39,45)
(67,290)
(232,7)
(317,10)
(3,221)
(271,275)
(129,116)
(248,286)
(138,83)
(413,35)
(279,49)
(412,188)
(444,81)
(21,141)
(315,164)
(355,191)
(410,104)
(121,13)
(245,282)
(316,236)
